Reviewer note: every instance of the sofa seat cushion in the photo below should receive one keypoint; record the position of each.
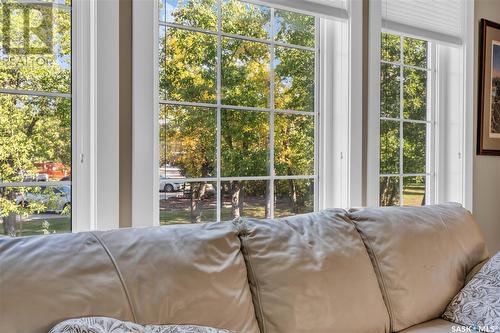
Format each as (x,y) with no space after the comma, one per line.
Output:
(437,326)
(111,325)
(311,273)
(421,255)
(184,274)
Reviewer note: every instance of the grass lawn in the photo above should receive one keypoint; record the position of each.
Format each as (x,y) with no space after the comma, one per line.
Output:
(413,194)
(252,210)
(35,226)
(183,216)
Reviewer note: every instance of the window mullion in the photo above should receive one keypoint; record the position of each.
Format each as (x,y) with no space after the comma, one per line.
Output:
(271,120)
(399,63)
(401,117)
(236,107)
(235,36)
(219,98)
(317,127)
(432,147)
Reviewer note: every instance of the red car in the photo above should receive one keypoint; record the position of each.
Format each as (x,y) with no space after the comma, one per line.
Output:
(55,171)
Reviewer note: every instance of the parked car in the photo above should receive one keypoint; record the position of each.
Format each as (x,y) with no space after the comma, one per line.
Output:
(42,177)
(57,200)
(171,178)
(170,171)
(168,184)
(39,177)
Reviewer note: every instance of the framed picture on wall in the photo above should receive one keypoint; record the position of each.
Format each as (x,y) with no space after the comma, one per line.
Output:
(488,140)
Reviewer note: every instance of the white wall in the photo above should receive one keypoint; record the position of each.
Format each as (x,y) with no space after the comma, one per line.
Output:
(486,168)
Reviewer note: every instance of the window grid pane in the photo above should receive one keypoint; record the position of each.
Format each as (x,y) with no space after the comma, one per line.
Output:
(36,111)
(404,148)
(248,78)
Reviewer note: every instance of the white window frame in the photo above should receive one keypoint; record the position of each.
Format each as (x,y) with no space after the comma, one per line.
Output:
(430,121)
(468,104)
(271,110)
(96,82)
(83,140)
(464,146)
(339,162)
(82,98)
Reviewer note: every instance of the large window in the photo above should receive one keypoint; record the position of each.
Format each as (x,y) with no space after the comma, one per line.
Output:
(35,117)
(405,121)
(238,112)
(419,126)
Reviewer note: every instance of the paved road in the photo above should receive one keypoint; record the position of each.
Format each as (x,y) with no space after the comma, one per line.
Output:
(166,195)
(43,216)
(52,216)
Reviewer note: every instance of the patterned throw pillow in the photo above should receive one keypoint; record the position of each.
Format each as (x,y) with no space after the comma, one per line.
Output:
(110,325)
(477,305)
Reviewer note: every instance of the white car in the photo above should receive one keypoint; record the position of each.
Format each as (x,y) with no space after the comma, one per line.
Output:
(168,184)
(39,177)
(57,201)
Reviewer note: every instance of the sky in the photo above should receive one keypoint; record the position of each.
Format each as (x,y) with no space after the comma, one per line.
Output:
(496,60)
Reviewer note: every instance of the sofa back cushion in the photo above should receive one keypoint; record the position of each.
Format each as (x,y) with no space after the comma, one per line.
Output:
(311,273)
(421,255)
(191,274)
(184,274)
(44,280)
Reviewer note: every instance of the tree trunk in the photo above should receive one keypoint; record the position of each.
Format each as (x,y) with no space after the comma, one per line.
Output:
(292,187)
(385,197)
(389,193)
(9,222)
(268,200)
(197,195)
(236,199)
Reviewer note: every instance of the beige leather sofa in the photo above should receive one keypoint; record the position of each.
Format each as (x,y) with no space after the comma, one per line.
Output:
(369,270)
